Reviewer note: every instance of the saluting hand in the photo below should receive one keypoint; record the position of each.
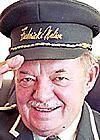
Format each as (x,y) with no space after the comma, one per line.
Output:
(10,65)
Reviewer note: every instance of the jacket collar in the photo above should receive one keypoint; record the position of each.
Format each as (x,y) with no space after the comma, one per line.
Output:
(24,132)
(84,131)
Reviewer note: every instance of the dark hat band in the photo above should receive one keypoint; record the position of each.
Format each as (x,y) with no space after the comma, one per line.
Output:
(51,34)
(50,41)
(47,53)
(50,29)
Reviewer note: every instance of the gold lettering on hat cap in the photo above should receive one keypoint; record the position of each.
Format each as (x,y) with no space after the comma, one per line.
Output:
(48,33)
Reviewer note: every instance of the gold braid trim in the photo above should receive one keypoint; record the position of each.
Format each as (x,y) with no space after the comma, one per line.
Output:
(78,45)
(5,108)
(13,129)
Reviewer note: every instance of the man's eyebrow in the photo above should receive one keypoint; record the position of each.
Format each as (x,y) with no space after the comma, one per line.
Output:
(61,70)
(24,72)
(58,71)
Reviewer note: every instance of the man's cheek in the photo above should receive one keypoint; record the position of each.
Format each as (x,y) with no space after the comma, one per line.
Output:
(63,94)
(21,100)
(22,96)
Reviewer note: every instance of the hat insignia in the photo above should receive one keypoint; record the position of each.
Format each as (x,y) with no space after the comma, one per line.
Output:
(46,34)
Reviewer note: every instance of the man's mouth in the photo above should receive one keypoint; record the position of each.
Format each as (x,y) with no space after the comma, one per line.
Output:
(46,109)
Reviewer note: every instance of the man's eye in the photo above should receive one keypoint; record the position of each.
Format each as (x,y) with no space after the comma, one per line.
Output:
(27,81)
(61,81)
(61,78)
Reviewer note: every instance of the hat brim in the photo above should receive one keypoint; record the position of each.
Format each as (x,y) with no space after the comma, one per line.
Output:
(48,53)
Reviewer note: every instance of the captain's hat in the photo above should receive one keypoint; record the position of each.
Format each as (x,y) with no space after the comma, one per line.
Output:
(49,29)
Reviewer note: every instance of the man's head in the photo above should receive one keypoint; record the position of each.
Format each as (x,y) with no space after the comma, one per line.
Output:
(55,38)
(50,93)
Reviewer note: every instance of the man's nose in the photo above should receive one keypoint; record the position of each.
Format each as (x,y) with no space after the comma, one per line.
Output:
(43,90)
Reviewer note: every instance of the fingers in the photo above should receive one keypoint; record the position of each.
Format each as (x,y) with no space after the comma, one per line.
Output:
(2,63)
(15,62)
(4,68)
(11,64)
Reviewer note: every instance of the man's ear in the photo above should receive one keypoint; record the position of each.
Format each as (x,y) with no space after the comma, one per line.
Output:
(92,76)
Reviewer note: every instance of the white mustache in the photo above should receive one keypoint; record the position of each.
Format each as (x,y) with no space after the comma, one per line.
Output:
(49,104)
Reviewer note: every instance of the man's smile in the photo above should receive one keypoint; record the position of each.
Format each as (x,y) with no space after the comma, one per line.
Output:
(46,109)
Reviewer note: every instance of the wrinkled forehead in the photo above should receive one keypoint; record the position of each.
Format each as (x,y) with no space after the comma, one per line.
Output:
(51,65)
(52,62)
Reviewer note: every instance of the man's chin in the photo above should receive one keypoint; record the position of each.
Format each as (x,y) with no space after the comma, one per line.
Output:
(44,132)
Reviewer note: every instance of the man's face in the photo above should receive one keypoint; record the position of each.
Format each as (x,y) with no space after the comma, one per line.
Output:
(50,94)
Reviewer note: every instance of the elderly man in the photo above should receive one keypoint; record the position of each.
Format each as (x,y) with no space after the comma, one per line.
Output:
(53,68)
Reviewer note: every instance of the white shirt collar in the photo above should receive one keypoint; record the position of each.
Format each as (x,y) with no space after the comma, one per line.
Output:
(69,134)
